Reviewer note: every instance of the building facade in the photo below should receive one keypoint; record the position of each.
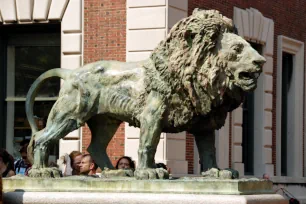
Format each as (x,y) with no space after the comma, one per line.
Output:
(266,134)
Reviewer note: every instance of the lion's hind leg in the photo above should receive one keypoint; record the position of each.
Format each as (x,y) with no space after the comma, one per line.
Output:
(102,129)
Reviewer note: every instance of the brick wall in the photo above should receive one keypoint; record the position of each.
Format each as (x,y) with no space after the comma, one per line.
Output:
(289,18)
(105,39)
(189,152)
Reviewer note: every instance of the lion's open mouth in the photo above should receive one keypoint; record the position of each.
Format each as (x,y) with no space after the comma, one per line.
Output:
(247,80)
(248,75)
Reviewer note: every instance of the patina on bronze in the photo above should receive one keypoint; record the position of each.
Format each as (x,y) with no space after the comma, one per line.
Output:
(192,79)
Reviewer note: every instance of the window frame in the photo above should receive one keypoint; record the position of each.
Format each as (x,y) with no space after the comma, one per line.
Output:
(15,40)
(296,48)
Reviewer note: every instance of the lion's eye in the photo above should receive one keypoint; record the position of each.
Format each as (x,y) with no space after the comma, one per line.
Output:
(237,48)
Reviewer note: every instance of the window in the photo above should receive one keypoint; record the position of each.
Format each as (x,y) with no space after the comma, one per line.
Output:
(289,107)
(28,56)
(287,116)
(248,134)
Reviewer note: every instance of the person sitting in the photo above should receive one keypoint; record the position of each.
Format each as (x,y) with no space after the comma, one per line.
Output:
(125,162)
(6,164)
(88,166)
(22,165)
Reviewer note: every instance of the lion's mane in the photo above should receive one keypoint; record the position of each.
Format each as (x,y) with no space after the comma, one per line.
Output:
(187,65)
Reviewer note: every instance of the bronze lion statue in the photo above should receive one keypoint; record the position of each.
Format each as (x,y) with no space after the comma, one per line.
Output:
(190,82)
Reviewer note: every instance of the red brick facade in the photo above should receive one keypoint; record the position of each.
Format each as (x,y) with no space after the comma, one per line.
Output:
(289,20)
(190,152)
(105,39)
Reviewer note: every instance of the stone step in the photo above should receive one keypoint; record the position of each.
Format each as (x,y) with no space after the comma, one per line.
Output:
(136,198)
(186,185)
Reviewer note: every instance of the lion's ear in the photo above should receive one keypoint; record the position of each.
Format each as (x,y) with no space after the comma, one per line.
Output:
(196,10)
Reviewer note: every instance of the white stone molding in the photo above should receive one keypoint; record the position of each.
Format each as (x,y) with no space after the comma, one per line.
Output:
(67,146)
(57,9)
(237,141)
(41,9)
(30,11)
(222,145)
(147,20)
(146,3)
(295,99)
(254,27)
(24,10)
(138,39)
(72,46)
(143,35)
(70,14)
(8,10)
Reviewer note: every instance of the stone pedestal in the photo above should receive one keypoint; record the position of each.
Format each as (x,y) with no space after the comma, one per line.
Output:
(136,198)
(19,190)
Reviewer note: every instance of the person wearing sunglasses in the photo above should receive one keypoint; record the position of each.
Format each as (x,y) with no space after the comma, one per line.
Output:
(23,164)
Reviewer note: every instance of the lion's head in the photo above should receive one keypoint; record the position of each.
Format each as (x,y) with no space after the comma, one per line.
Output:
(240,62)
(203,56)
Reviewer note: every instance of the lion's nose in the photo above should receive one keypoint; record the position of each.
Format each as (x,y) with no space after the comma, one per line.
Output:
(259,62)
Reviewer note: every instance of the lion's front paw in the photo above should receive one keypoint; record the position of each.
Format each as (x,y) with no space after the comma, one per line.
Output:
(52,172)
(222,174)
(232,172)
(109,173)
(149,173)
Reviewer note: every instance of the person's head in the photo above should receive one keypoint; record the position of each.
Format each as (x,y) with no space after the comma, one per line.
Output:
(162,165)
(23,152)
(24,142)
(24,149)
(75,157)
(125,163)
(6,160)
(88,165)
(266,176)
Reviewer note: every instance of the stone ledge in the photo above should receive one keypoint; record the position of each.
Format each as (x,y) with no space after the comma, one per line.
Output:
(136,198)
(288,179)
(190,185)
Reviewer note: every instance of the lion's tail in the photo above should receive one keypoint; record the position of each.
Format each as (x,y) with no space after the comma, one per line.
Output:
(58,72)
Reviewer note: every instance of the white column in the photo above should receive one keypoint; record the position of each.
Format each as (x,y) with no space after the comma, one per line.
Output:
(253,26)
(237,141)
(222,146)
(143,35)
(71,53)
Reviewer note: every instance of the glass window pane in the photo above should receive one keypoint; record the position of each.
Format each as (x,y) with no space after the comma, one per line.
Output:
(21,125)
(30,63)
